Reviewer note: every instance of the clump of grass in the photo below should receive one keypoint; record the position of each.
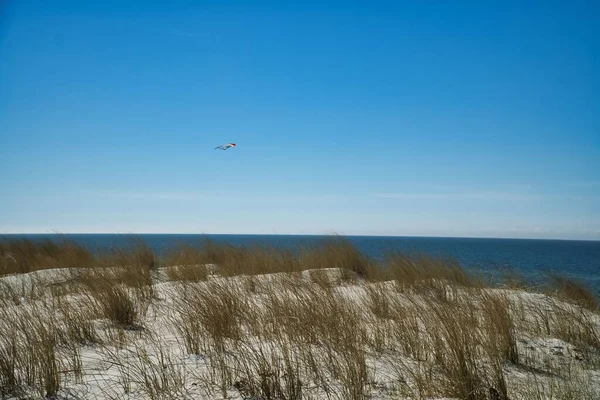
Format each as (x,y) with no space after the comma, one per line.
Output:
(576,326)
(77,327)
(288,313)
(234,260)
(30,357)
(512,278)
(499,327)
(121,290)
(136,253)
(310,316)
(574,291)
(117,306)
(553,318)
(184,254)
(421,270)
(313,316)
(215,309)
(185,263)
(456,343)
(48,363)
(111,299)
(574,385)
(150,370)
(498,339)
(187,273)
(337,252)
(9,379)
(15,292)
(322,278)
(214,252)
(269,373)
(350,367)
(468,338)
(408,331)
(19,256)
(256,259)
(379,301)
(131,266)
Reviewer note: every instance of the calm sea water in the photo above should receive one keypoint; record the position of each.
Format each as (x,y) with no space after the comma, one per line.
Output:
(579,259)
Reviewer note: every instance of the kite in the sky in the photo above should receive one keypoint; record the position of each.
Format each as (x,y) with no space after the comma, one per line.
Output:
(225,146)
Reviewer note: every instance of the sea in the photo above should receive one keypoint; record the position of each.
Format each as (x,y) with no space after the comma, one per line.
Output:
(532,258)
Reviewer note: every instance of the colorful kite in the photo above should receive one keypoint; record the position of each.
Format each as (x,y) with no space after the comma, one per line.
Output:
(225,146)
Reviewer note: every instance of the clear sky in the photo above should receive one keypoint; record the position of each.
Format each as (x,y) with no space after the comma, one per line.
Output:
(423,118)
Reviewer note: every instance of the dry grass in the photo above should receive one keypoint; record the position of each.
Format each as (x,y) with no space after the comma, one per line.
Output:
(500,327)
(22,255)
(18,256)
(455,340)
(121,294)
(334,252)
(422,270)
(575,386)
(576,326)
(78,327)
(574,291)
(550,317)
(149,370)
(187,273)
(185,263)
(423,327)
(31,355)
(337,252)
(513,279)
(446,347)
(213,311)
(16,291)
(117,305)
(269,372)
(137,254)
(234,260)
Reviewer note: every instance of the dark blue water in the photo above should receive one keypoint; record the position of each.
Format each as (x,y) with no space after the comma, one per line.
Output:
(579,259)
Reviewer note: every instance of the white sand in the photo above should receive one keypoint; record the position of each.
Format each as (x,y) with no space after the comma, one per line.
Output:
(105,368)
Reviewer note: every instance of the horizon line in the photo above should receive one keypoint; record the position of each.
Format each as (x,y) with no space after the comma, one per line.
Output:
(58,233)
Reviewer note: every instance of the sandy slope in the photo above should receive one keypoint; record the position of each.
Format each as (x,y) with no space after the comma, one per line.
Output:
(132,360)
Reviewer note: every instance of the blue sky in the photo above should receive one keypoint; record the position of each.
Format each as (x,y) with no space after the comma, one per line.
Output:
(378,118)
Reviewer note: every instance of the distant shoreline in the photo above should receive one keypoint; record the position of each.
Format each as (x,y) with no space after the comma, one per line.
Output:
(318,235)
